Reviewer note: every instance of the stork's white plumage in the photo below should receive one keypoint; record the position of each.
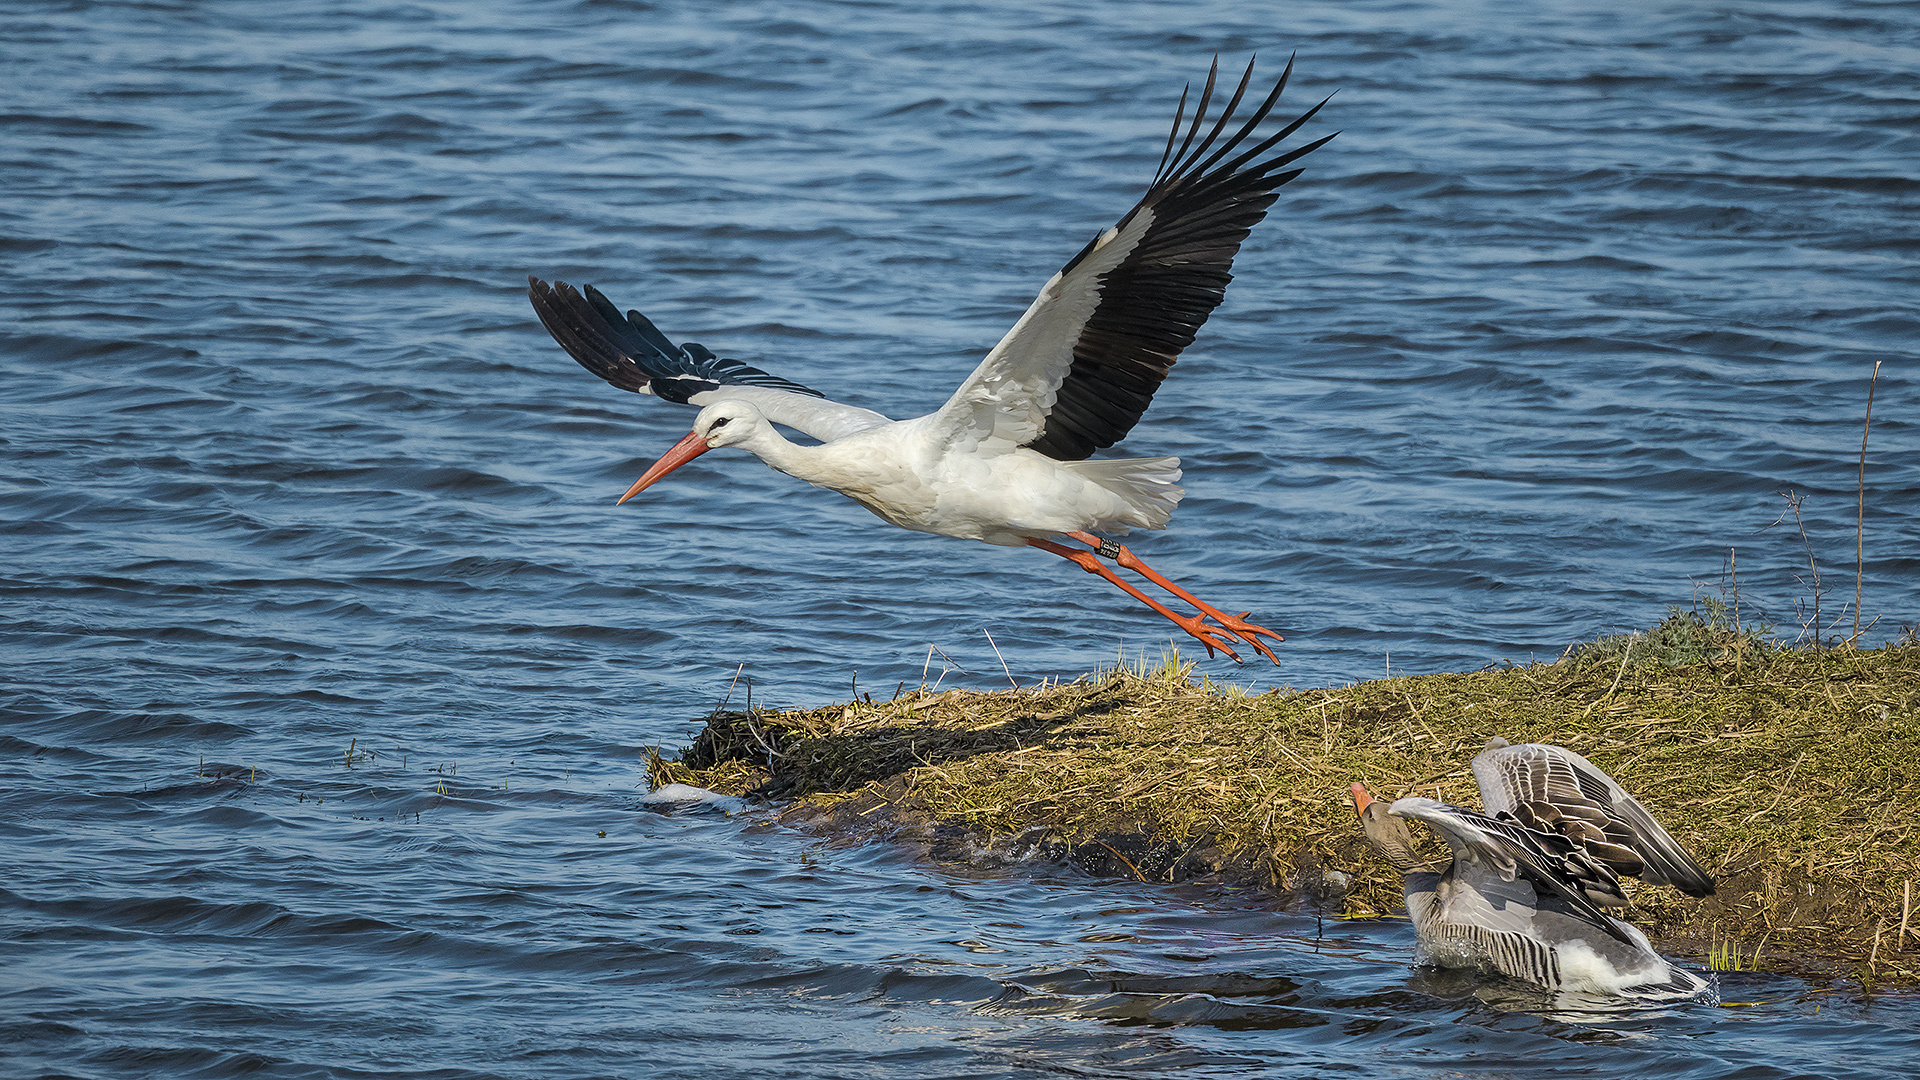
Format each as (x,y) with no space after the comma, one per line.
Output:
(1005,459)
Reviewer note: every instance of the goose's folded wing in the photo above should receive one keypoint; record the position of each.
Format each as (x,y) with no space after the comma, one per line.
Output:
(1080,366)
(1552,862)
(1553,789)
(632,354)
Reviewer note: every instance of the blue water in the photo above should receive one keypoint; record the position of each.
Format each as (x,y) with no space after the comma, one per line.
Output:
(291,474)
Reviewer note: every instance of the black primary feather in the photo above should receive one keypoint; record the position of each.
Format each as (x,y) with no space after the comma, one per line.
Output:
(1153,303)
(632,354)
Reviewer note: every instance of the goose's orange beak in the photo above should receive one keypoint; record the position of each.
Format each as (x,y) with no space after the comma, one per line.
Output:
(683,451)
(1361,798)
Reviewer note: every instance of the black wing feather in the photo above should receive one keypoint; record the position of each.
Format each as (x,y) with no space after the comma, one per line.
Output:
(1155,301)
(632,354)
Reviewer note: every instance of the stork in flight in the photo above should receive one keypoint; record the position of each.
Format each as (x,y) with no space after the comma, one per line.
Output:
(1005,460)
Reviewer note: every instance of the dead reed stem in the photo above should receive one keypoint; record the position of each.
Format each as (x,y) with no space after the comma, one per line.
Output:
(1733,571)
(1624,654)
(1860,520)
(1794,500)
(1002,659)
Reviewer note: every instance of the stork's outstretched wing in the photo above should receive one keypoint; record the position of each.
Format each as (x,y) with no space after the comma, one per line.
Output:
(1080,367)
(632,354)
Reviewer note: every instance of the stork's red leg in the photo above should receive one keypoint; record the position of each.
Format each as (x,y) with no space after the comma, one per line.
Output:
(1234,624)
(1192,624)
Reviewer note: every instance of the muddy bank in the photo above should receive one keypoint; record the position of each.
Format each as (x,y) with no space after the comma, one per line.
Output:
(1793,775)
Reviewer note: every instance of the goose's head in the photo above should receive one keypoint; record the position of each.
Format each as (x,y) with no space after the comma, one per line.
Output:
(1388,834)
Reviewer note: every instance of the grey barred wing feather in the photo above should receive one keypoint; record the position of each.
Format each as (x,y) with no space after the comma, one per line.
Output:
(1552,862)
(1486,919)
(1553,789)
(631,353)
(1533,934)
(1079,368)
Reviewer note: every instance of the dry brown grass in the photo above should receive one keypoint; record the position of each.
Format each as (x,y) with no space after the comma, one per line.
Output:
(1793,774)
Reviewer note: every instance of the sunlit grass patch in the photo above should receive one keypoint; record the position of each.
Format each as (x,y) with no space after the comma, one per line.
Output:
(1786,771)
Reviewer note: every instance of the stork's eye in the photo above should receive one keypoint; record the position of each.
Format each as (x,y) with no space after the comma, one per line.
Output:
(718,424)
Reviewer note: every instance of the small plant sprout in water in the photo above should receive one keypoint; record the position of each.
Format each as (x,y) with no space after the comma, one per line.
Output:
(1724,955)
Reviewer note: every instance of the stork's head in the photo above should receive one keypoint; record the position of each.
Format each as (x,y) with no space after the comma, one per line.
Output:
(724,423)
(727,423)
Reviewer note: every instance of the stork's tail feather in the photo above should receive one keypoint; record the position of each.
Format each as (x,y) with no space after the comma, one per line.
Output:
(1149,486)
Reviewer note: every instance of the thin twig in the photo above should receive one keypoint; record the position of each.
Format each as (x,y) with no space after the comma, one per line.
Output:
(1791,769)
(1733,572)
(1002,659)
(1122,858)
(1793,502)
(753,729)
(1631,639)
(947,664)
(1860,522)
(729,694)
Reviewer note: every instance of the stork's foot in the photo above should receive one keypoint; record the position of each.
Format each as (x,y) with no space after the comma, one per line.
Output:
(1206,633)
(1239,627)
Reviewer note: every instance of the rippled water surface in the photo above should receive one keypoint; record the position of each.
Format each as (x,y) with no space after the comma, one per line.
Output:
(291,474)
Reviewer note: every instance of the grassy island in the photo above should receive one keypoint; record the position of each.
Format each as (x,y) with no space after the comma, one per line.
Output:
(1793,774)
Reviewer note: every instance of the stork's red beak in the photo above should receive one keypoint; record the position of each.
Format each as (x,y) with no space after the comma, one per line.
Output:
(683,451)
(1361,798)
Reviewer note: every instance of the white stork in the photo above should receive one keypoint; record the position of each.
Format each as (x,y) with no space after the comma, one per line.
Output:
(1005,459)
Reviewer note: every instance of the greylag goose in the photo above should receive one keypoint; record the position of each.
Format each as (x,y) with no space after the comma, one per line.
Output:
(1525,890)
